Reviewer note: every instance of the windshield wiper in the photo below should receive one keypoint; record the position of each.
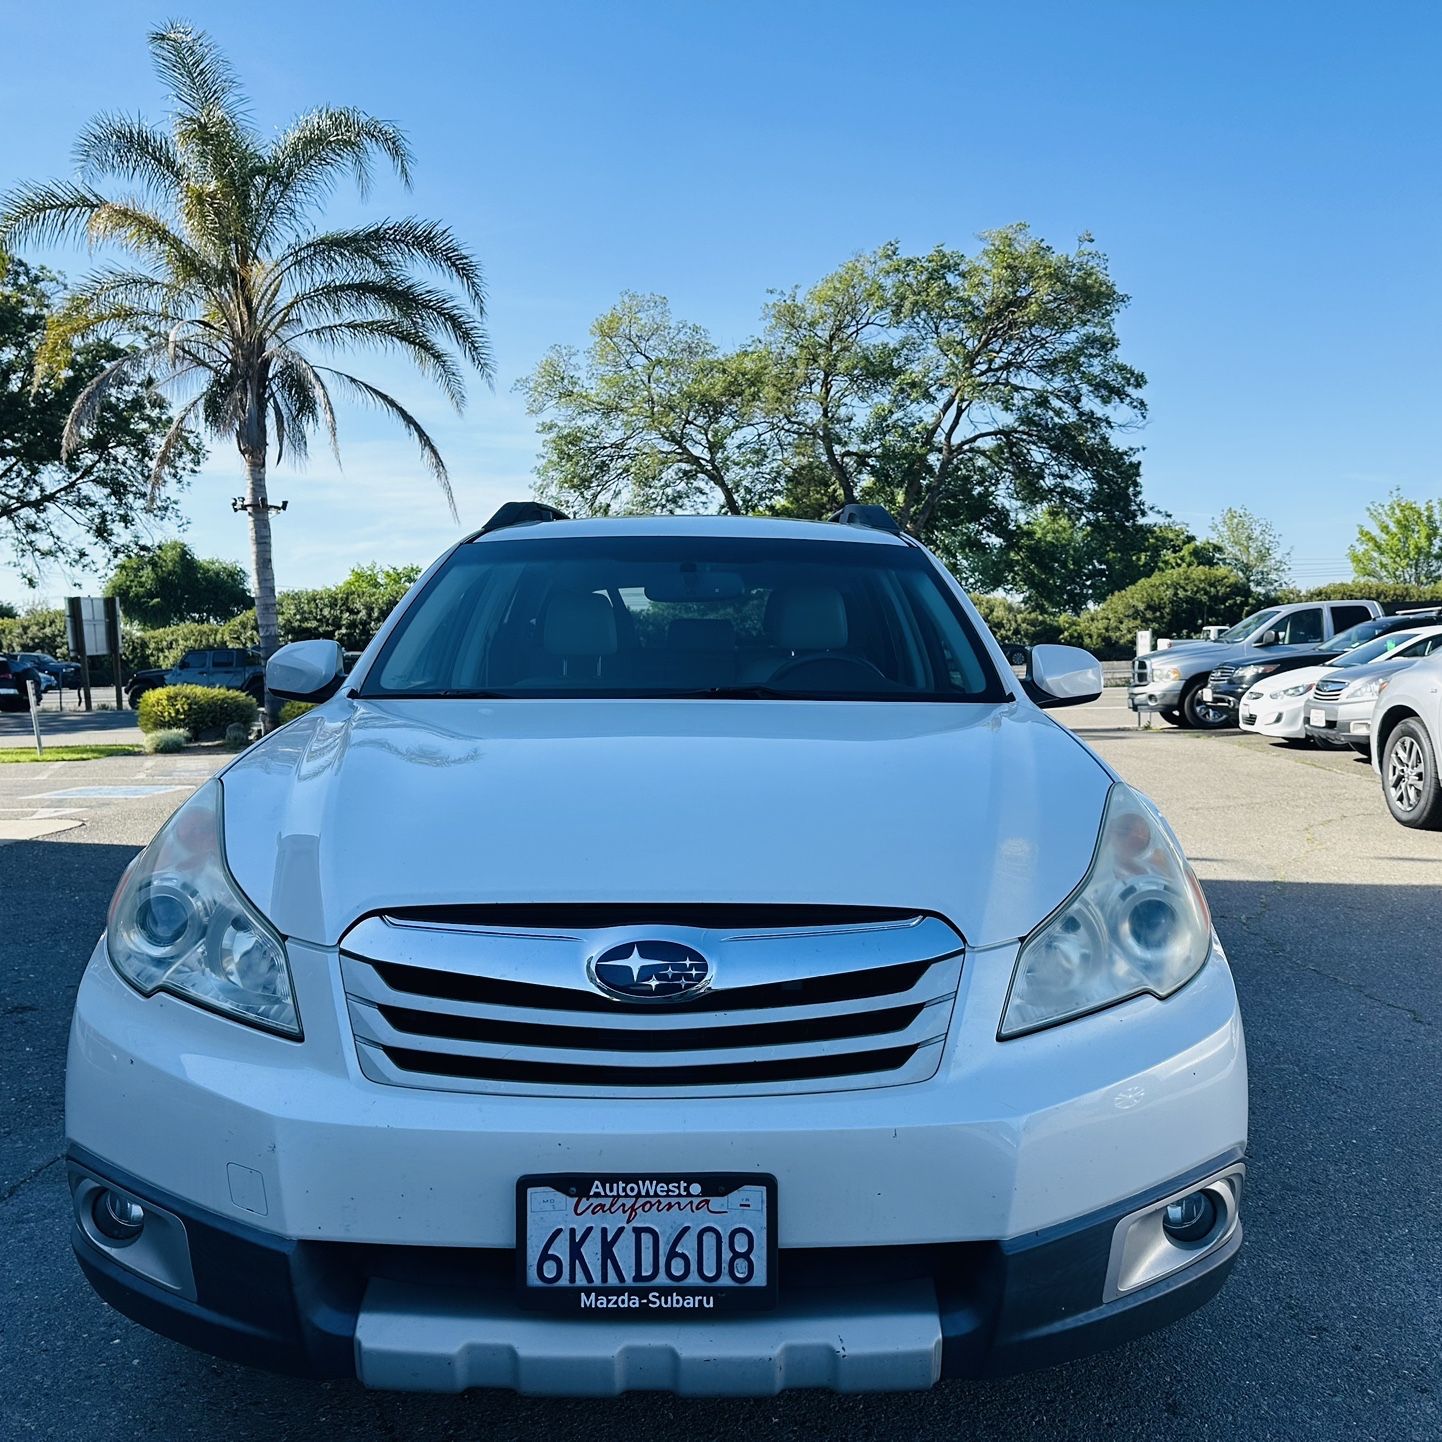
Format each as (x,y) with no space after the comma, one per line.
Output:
(755,691)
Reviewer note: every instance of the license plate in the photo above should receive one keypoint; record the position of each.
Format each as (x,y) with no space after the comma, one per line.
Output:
(8,691)
(1206,693)
(669,1245)
(1317,718)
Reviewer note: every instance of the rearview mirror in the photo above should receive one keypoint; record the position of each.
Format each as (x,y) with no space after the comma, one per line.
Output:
(1062,676)
(306,671)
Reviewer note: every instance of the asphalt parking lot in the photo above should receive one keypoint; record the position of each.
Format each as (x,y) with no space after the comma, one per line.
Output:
(1331,1326)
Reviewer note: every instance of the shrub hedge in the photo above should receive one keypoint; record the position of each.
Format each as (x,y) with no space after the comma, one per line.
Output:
(203,711)
(292,709)
(164,742)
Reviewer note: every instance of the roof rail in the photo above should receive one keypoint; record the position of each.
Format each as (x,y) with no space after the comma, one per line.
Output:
(876,518)
(519,513)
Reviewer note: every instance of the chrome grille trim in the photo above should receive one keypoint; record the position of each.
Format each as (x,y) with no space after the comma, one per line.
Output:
(482,1009)
(1329,689)
(1221,673)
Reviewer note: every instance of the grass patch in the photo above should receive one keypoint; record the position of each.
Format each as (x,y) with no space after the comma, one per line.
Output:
(18,754)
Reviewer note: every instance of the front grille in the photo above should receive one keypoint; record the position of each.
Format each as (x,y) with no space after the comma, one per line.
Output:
(1221,674)
(1329,689)
(843,1001)
(1141,671)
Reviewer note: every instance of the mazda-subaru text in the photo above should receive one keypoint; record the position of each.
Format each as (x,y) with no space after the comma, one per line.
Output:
(681,954)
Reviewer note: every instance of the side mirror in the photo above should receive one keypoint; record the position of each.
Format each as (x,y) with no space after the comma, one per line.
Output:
(1062,676)
(306,671)
(1268,638)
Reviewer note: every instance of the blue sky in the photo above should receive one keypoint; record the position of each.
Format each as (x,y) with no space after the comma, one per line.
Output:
(1263,177)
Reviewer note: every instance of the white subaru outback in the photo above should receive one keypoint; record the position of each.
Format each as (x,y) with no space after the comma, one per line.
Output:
(680,955)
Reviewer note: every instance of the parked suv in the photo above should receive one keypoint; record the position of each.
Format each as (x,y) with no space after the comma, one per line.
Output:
(15,690)
(1174,682)
(1406,727)
(235,669)
(681,955)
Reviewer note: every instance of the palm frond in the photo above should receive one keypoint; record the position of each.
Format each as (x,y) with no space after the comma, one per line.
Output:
(130,150)
(195,71)
(385,248)
(391,333)
(306,159)
(409,423)
(93,396)
(427,307)
(35,214)
(305,373)
(165,454)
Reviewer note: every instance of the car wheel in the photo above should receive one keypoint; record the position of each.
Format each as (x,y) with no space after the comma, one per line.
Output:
(1172,716)
(1409,778)
(1202,716)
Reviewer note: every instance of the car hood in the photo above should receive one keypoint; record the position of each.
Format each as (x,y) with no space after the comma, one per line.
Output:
(1298,676)
(987,815)
(1383,667)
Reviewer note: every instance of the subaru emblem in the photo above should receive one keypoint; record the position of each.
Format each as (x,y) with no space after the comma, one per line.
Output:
(650,971)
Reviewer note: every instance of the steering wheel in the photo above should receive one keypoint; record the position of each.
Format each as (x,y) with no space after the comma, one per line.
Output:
(850,668)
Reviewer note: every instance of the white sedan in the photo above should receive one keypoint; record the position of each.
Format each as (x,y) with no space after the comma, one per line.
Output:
(1278,706)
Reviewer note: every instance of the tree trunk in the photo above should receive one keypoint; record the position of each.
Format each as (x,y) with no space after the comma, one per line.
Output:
(262,570)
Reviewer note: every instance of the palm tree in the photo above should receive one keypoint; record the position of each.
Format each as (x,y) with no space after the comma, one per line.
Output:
(231,292)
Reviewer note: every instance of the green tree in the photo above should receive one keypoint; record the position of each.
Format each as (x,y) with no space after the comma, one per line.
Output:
(169,583)
(233,290)
(86,504)
(964,391)
(1252,547)
(1060,561)
(7,611)
(1403,544)
(351,612)
(1174,603)
(650,417)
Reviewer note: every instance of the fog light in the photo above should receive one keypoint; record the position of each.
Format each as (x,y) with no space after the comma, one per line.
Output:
(117,1217)
(1191,1218)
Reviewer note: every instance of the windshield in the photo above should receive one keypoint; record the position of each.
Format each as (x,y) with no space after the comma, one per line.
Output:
(1243,629)
(1375,650)
(686,616)
(1354,636)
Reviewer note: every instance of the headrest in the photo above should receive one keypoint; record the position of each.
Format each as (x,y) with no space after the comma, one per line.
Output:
(808,618)
(698,633)
(579,623)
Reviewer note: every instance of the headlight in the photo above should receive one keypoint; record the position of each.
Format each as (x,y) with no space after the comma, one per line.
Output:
(178,923)
(1137,923)
(1293,691)
(1363,690)
(1166,673)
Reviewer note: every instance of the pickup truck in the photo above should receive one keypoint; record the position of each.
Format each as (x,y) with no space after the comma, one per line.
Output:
(1174,682)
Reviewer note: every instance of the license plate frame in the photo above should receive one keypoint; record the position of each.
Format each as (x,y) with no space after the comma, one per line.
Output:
(683,1300)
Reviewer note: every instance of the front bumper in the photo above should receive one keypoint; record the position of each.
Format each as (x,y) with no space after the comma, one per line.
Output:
(975,1209)
(1155,696)
(865,1319)
(1341,723)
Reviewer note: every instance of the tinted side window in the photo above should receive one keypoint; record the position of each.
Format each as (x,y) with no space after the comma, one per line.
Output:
(1344,616)
(194,660)
(222,660)
(1302,627)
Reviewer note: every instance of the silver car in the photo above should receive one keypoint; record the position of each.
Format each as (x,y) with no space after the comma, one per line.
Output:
(1339,710)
